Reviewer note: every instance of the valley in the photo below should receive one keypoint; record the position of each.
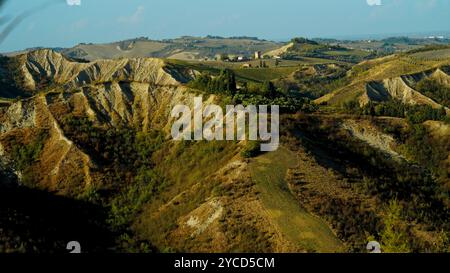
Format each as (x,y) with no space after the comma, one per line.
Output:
(364,153)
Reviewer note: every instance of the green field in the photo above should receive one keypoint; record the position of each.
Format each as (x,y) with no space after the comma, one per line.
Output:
(243,74)
(263,74)
(359,53)
(300,227)
(255,74)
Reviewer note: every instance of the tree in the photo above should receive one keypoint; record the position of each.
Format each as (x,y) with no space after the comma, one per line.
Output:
(228,79)
(352,106)
(394,237)
(268,89)
(224,57)
(435,90)
(369,109)
(224,83)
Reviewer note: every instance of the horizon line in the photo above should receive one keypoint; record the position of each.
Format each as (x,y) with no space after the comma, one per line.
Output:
(349,37)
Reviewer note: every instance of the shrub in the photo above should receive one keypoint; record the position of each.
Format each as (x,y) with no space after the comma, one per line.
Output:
(415,114)
(225,83)
(127,203)
(394,237)
(25,155)
(432,88)
(252,149)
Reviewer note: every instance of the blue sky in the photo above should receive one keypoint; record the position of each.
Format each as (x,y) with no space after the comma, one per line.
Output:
(96,21)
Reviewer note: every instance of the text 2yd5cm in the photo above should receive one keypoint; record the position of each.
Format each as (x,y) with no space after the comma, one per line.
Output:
(184,263)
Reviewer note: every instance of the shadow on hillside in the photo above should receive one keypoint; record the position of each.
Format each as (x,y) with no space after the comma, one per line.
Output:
(326,155)
(34,221)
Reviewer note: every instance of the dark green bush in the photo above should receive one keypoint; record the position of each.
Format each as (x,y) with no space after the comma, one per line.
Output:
(25,155)
(252,149)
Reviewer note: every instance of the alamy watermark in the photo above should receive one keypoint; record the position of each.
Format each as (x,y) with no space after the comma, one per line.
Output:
(231,125)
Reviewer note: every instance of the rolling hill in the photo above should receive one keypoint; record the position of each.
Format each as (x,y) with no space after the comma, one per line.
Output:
(394,77)
(96,134)
(184,48)
(303,48)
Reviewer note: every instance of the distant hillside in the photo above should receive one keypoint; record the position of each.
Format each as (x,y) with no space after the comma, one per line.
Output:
(395,77)
(301,48)
(184,48)
(416,41)
(387,46)
(208,48)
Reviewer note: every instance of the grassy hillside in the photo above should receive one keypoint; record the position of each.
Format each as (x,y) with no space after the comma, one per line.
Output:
(384,68)
(351,169)
(432,55)
(269,172)
(263,74)
(302,47)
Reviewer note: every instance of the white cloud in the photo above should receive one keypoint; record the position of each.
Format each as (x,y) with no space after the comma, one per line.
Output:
(134,18)
(374,2)
(74,2)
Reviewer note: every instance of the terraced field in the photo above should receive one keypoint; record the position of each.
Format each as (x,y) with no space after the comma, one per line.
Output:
(434,55)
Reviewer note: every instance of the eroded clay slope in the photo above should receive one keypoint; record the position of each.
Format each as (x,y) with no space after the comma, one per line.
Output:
(401,88)
(132,92)
(46,67)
